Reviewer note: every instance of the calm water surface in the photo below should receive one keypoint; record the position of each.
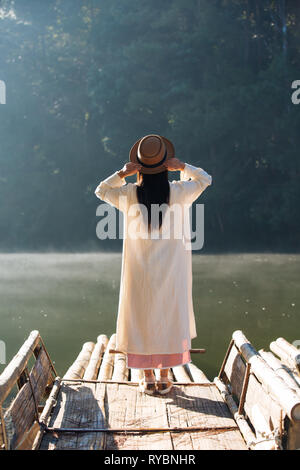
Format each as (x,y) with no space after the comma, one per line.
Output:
(72,298)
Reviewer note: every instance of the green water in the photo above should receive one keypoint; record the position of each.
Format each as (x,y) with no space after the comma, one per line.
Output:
(72,298)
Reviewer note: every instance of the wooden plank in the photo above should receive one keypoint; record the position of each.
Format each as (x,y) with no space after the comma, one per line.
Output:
(204,407)
(21,412)
(127,407)
(28,437)
(234,372)
(123,406)
(3,441)
(77,406)
(14,369)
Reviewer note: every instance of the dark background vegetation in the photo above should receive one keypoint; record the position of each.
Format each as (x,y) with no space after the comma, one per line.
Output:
(86,79)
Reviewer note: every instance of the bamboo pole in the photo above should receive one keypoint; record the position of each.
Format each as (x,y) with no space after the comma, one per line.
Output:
(197,374)
(287,353)
(95,359)
(14,369)
(291,350)
(192,351)
(121,371)
(146,430)
(51,401)
(262,428)
(107,364)
(180,374)
(285,396)
(284,357)
(246,431)
(136,375)
(280,370)
(77,369)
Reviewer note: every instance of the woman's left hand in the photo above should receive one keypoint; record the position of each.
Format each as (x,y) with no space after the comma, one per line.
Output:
(174,164)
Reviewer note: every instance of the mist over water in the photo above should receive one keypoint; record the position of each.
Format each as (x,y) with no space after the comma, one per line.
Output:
(72,298)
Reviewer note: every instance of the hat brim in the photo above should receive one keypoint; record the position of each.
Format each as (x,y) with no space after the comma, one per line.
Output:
(170,154)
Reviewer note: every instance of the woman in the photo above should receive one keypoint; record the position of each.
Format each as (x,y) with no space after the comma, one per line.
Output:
(156,320)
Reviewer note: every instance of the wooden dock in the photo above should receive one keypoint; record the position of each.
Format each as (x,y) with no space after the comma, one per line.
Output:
(253,404)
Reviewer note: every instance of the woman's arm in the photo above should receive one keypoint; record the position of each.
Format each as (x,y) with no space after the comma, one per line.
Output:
(114,189)
(193,180)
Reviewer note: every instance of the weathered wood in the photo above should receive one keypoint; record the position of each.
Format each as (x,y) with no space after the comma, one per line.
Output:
(77,369)
(244,427)
(231,344)
(3,435)
(77,406)
(197,374)
(283,371)
(14,369)
(287,398)
(244,389)
(234,372)
(181,374)
(293,441)
(44,417)
(21,413)
(192,407)
(107,364)
(92,369)
(203,406)
(28,437)
(196,414)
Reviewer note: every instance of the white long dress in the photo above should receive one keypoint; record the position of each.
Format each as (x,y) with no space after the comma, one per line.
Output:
(155,311)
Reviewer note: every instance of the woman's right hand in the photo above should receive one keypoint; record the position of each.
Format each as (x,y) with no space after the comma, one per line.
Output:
(130,168)
(174,164)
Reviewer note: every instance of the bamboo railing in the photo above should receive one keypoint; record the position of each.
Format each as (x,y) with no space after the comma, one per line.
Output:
(19,422)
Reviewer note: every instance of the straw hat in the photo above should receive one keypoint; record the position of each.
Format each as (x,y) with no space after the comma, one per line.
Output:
(151,152)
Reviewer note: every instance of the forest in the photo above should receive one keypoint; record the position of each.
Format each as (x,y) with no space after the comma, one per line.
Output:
(86,79)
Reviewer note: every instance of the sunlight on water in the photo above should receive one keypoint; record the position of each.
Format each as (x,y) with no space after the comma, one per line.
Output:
(72,298)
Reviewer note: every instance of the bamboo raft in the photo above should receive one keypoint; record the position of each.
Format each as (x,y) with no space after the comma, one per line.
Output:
(254,403)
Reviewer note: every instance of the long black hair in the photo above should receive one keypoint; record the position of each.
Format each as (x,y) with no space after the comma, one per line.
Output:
(153,189)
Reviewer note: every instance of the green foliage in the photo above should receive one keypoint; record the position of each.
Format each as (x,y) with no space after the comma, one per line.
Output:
(86,79)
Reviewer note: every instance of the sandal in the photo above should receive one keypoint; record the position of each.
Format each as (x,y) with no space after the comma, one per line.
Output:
(163,388)
(147,387)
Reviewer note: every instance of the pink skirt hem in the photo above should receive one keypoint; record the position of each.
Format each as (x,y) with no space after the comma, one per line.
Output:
(157,361)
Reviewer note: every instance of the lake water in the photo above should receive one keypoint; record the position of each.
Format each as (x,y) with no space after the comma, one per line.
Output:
(72,298)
